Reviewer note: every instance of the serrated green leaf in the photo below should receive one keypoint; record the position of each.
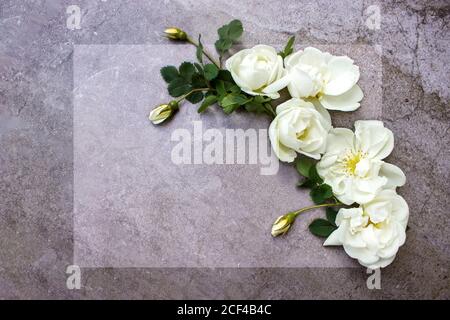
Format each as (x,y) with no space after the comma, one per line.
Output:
(222,45)
(223,31)
(209,100)
(304,165)
(195,97)
(187,70)
(331,215)
(289,48)
(232,87)
(254,106)
(169,73)
(321,193)
(235,30)
(178,87)
(198,81)
(232,30)
(228,34)
(199,52)
(231,99)
(321,228)
(314,176)
(230,108)
(225,75)
(211,71)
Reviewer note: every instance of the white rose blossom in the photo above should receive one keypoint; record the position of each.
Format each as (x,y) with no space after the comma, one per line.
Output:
(352,163)
(373,232)
(255,70)
(299,127)
(311,73)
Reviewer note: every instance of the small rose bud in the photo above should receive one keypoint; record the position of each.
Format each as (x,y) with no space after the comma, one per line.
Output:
(282,224)
(175,34)
(163,112)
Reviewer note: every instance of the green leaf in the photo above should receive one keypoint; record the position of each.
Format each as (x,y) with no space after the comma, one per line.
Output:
(331,215)
(209,100)
(289,48)
(231,102)
(228,34)
(223,31)
(211,71)
(230,108)
(254,106)
(178,87)
(232,30)
(195,97)
(198,81)
(225,75)
(222,45)
(261,99)
(187,70)
(306,183)
(314,176)
(199,52)
(321,228)
(231,99)
(259,104)
(304,165)
(235,30)
(169,73)
(199,68)
(232,87)
(220,87)
(321,193)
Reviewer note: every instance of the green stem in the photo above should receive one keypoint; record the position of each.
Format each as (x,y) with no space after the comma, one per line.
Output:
(192,91)
(296,213)
(191,41)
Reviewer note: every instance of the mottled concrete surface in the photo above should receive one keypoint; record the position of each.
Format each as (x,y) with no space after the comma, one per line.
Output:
(37,158)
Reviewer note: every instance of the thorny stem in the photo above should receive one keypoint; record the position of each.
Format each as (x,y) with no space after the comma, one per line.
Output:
(191,41)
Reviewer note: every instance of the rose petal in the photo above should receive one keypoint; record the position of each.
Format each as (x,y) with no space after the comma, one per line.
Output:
(395,176)
(300,84)
(373,138)
(282,152)
(348,101)
(343,75)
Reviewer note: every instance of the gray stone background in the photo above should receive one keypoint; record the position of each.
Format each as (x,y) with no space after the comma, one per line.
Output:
(36,139)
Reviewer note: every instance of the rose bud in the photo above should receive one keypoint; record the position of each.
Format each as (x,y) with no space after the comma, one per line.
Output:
(282,224)
(175,34)
(163,112)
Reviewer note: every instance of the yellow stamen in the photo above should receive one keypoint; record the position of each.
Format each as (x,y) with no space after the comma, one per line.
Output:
(351,160)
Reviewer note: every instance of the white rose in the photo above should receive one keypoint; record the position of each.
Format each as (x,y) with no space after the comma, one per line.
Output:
(299,127)
(331,79)
(373,232)
(352,163)
(255,69)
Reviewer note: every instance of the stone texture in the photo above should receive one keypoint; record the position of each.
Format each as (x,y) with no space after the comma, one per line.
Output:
(36,137)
